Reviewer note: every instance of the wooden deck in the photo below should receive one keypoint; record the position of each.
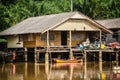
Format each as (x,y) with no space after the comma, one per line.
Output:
(77,52)
(67,49)
(54,49)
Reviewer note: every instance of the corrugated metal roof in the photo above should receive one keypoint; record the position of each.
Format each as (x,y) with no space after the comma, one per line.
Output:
(41,24)
(110,23)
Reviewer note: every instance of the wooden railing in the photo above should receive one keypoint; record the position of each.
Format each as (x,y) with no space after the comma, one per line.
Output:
(54,49)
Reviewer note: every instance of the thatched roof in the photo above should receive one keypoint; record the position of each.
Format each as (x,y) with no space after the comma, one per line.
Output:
(41,24)
(110,23)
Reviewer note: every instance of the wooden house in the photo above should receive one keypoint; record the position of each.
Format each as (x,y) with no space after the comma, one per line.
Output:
(114,26)
(54,33)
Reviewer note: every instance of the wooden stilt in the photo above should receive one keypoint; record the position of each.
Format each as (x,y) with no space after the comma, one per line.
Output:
(36,56)
(47,56)
(25,54)
(100,56)
(85,56)
(100,62)
(26,70)
(117,60)
(71,53)
(47,63)
(85,63)
(116,55)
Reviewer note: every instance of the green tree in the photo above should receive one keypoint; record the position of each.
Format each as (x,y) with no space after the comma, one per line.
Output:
(17,10)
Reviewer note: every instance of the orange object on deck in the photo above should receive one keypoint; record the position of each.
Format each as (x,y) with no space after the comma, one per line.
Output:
(114,44)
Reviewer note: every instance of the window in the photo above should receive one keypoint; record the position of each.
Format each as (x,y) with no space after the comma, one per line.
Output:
(78,36)
(44,36)
(52,36)
(20,38)
(30,37)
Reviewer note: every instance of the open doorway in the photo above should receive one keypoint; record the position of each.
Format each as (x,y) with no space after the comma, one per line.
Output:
(30,54)
(64,38)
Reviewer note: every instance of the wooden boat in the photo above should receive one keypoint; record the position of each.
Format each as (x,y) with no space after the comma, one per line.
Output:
(67,61)
(58,65)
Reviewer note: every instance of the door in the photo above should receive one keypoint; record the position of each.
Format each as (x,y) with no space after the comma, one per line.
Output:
(64,38)
(30,54)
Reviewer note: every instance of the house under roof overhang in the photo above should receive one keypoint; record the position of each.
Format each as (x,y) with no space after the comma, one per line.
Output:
(110,23)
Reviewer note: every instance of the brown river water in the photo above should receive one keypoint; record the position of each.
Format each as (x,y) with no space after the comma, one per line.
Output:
(60,71)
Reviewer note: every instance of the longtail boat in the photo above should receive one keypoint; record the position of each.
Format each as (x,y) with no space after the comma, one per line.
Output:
(67,61)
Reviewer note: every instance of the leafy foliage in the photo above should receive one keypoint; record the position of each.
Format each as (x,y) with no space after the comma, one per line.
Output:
(14,11)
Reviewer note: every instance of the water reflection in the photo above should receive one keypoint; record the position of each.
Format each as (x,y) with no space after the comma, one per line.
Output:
(60,71)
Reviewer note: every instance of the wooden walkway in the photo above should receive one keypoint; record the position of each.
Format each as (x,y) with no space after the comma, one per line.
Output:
(62,49)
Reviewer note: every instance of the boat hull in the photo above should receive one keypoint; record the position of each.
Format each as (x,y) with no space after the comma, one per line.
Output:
(66,61)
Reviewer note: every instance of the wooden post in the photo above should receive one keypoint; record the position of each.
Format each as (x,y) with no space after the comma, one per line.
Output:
(47,63)
(26,69)
(116,55)
(36,55)
(47,55)
(100,38)
(117,60)
(71,53)
(25,54)
(100,56)
(100,62)
(85,56)
(85,63)
(47,41)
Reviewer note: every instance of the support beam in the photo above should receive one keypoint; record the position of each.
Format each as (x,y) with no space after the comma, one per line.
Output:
(100,56)
(71,53)
(36,57)
(85,63)
(100,38)
(47,63)
(117,58)
(26,69)
(47,41)
(25,53)
(85,56)
(46,54)
(100,62)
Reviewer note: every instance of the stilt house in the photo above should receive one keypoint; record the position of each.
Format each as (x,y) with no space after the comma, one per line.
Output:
(56,33)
